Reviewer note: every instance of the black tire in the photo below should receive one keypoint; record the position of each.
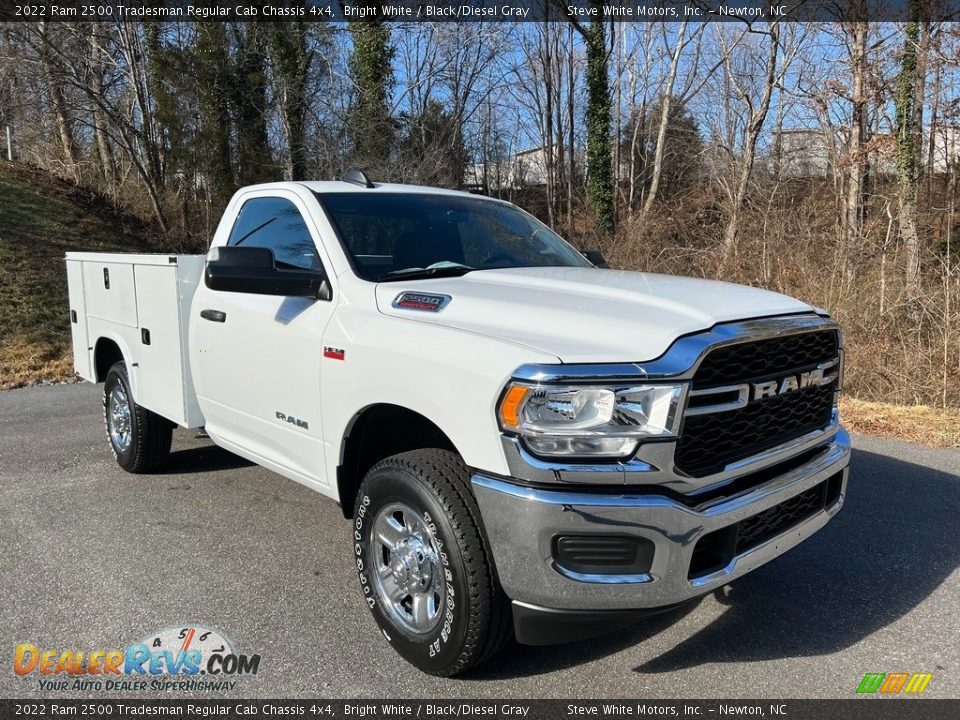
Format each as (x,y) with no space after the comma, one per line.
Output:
(150,435)
(474,615)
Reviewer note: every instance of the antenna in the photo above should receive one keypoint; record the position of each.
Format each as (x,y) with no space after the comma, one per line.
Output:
(357,177)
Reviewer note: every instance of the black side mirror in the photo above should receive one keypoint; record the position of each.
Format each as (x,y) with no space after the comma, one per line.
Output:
(596,257)
(254,270)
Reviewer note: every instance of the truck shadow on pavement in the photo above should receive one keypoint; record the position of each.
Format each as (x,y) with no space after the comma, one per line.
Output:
(517,661)
(893,543)
(206,458)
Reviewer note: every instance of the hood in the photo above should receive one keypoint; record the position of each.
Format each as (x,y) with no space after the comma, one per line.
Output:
(586,315)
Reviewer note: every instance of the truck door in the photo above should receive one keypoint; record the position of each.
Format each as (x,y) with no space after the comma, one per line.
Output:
(257,358)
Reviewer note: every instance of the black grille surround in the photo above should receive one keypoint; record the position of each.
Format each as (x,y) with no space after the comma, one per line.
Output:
(709,442)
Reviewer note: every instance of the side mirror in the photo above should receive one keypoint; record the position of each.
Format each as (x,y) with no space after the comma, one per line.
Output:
(596,257)
(254,270)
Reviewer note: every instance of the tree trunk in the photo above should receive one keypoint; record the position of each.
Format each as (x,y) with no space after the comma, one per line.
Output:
(370,125)
(637,135)
(599,166)
(58,102)
(856,180)
(752,135)
(136,62)
(664,119)
(291,64)
(213,75)
(249,101)
(906,151)
(546,61)
(559,142)
(934,123)
(571,147)
(104,152)
(616,46)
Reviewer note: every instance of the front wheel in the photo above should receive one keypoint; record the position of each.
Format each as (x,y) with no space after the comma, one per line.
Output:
(140,439)
(424,564)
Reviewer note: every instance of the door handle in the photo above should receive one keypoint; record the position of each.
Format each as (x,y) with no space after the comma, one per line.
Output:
(214,315)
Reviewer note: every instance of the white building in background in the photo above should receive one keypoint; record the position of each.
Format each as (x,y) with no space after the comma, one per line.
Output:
(527,168)
(812,153)
(801,153)
(944,150)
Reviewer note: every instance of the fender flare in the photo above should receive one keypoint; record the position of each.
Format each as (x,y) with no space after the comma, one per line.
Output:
(132,367)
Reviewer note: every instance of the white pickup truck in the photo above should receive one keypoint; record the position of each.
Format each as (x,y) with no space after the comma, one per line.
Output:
(525,443)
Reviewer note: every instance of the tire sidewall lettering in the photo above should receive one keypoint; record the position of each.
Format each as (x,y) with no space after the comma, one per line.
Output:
(443,636)
(358,546)
(446,630)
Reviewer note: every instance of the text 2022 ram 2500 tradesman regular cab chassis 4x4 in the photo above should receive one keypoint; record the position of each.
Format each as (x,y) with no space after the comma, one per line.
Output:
(525,443)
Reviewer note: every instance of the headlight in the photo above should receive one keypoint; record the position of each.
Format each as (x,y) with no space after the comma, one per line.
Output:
(590,421)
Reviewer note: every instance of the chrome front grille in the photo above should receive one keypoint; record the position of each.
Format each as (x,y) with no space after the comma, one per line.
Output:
(752,396)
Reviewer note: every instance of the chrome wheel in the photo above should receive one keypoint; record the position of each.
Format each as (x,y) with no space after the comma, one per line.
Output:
(118,419)
(408,576)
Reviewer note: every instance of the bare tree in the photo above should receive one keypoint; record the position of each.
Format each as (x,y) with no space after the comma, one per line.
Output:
(757,109)
(107,163)
(291,57)
(856,153)
(906,138)
(58,101)
(124,121)
(667,98)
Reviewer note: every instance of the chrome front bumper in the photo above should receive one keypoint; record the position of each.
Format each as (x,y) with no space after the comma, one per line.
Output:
(521,522)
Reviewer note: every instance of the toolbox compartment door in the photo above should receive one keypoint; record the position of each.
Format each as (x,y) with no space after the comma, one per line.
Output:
(82,352)
(160,384)
(109,291)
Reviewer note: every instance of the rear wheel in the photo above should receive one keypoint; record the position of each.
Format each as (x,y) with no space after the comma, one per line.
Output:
(424,564)
(140,439)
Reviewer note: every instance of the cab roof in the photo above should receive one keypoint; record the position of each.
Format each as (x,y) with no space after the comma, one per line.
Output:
(336,186)
(341,186)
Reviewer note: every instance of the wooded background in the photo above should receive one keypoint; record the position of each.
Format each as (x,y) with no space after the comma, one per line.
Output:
(815,159)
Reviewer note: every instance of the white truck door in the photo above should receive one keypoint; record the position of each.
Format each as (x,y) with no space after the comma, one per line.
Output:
(257,358)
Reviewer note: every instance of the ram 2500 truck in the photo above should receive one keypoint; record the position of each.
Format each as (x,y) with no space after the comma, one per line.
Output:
(523,442)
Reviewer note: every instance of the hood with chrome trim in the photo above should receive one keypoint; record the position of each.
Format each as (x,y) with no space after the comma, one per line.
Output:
(583,314)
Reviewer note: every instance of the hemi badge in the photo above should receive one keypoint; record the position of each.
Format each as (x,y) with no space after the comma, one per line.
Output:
(334,353)
(427,302)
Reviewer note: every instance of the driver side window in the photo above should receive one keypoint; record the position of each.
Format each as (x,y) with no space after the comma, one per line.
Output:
(276,224)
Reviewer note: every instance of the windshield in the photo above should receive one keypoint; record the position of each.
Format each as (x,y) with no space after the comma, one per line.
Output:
(396,236)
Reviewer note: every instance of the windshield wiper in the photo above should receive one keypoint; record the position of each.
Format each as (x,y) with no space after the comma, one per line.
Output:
(421,273)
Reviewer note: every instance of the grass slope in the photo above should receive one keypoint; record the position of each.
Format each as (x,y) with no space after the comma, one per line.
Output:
(918,423)
(41,218)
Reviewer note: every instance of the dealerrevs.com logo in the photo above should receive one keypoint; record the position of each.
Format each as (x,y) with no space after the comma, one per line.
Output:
(188,658)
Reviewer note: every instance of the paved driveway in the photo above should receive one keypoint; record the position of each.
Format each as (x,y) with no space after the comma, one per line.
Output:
(91,557)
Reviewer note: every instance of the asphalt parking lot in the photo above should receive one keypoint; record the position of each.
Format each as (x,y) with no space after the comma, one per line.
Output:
(91,557)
